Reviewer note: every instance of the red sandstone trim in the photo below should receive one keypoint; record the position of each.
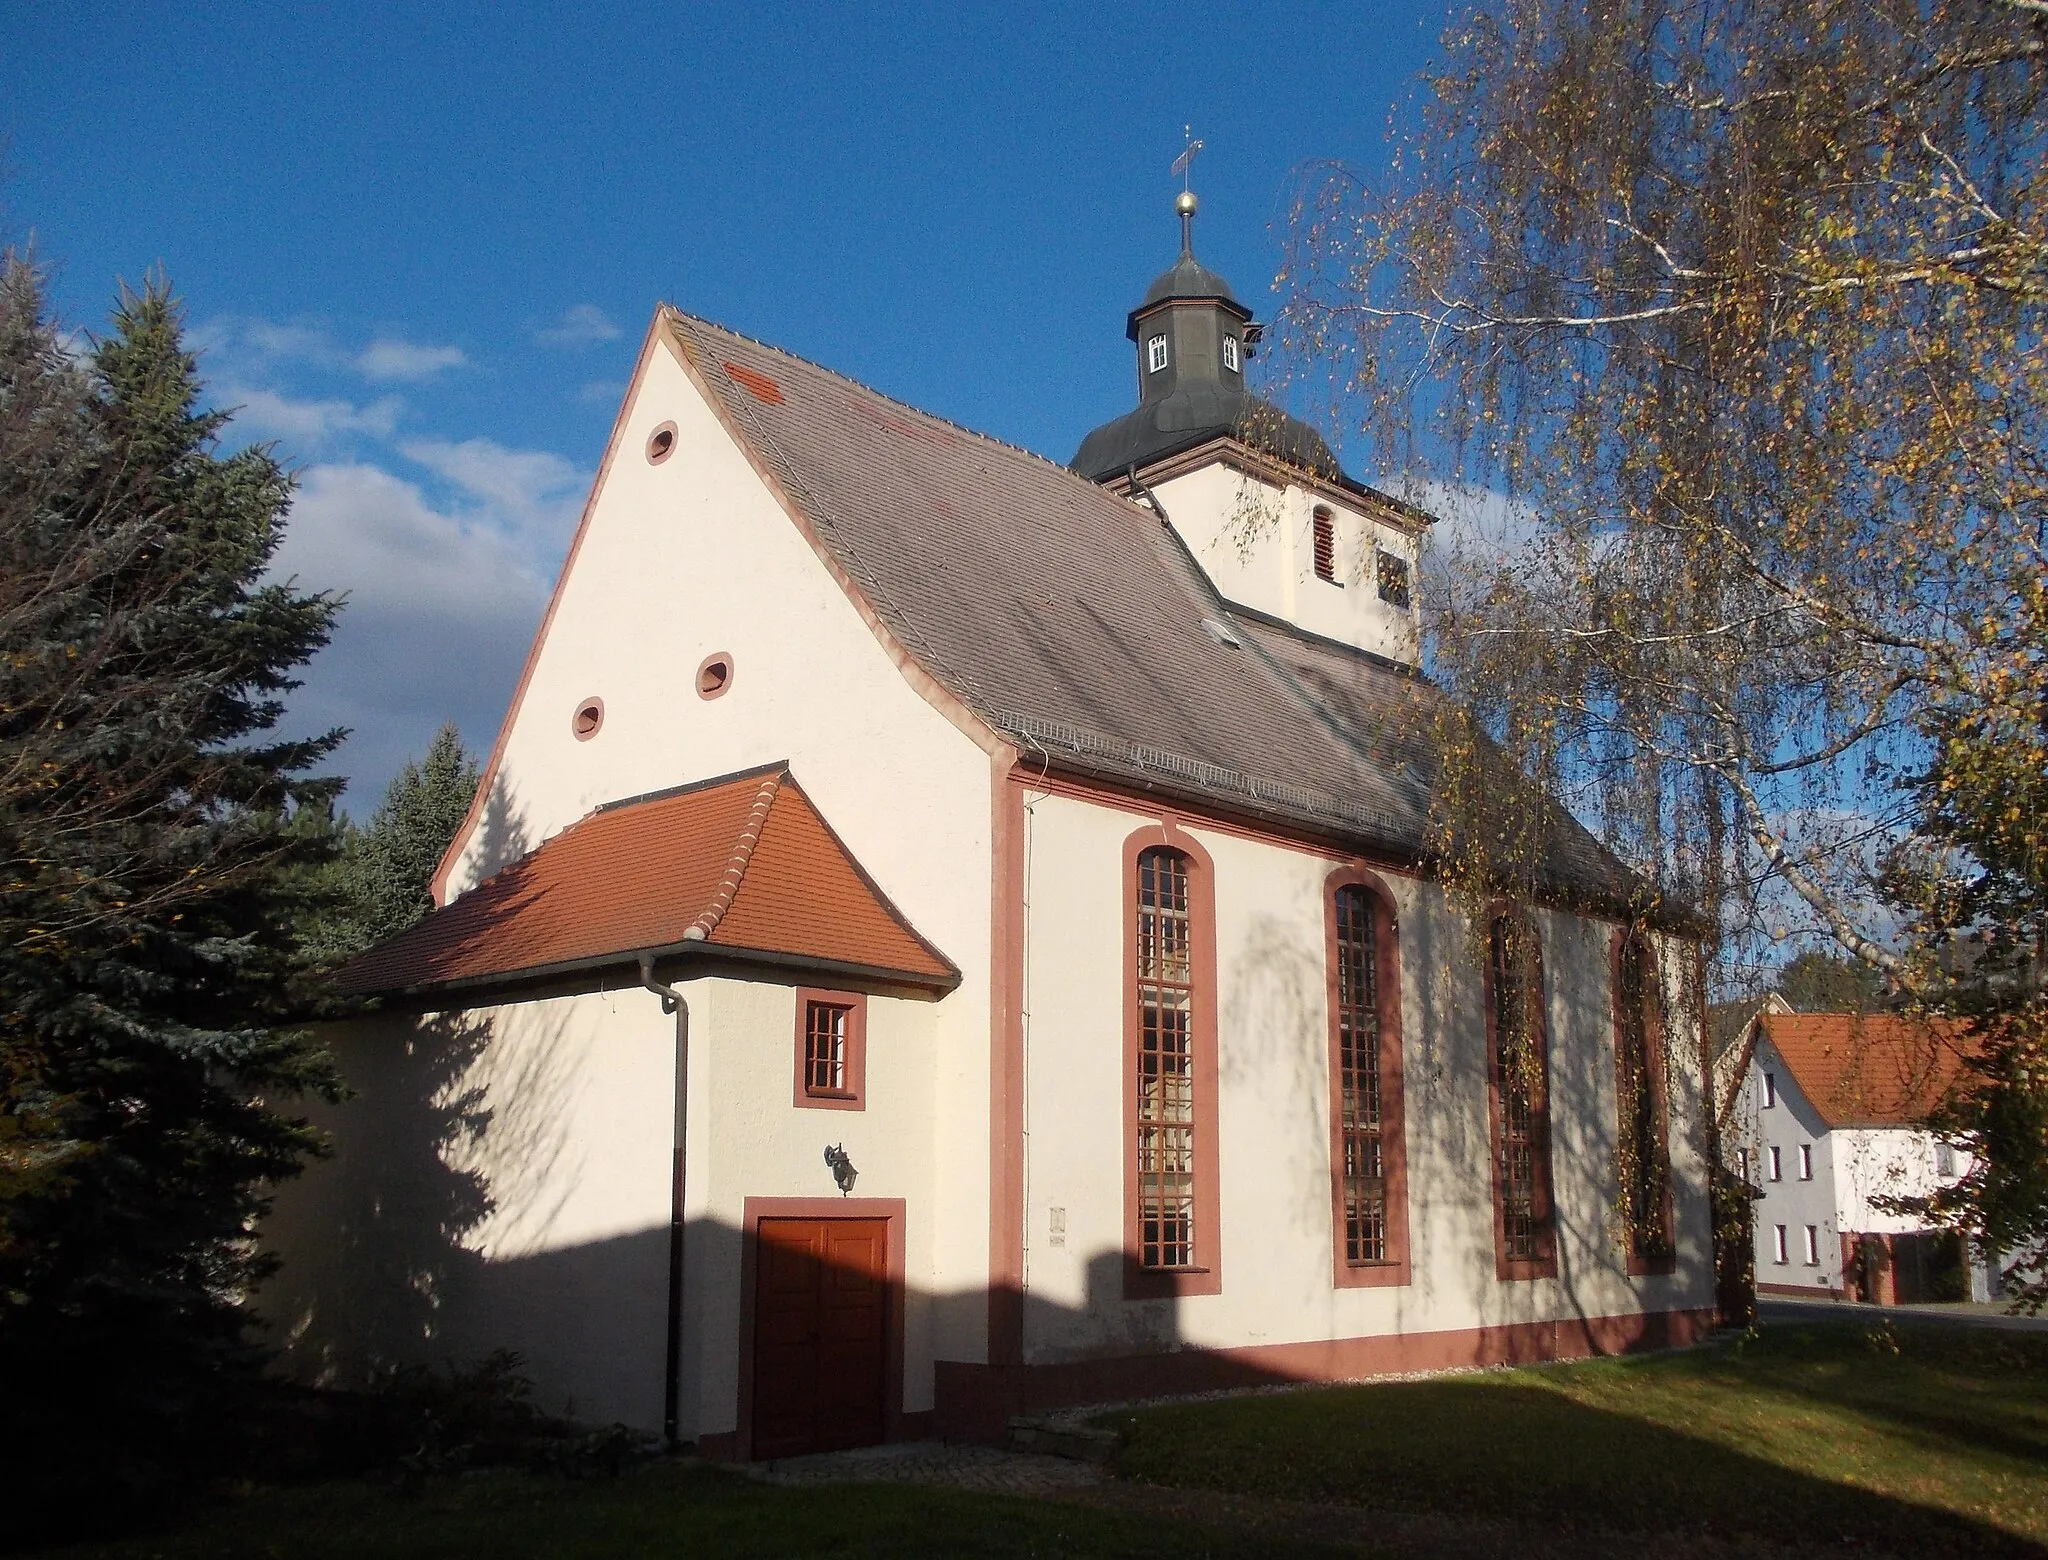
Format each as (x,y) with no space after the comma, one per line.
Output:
(1206,1276)
(753,1211)
(856,1092)
(1544,1265)
(1345,1274)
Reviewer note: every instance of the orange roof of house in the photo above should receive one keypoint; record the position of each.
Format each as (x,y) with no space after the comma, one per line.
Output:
(1869,1069)
(743,867)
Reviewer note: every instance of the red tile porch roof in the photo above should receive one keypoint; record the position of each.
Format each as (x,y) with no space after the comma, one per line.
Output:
(742,867)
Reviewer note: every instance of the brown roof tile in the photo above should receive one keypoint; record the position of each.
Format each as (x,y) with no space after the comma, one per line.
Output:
(743,866)
(1071,620)
(1869,1069)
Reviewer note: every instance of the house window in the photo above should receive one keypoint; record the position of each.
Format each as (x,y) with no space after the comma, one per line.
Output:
(1324,531)
(1230,353)
(1165,1128)
(1368,1161)
(1519,1097)
(1742,1162)
(1643,1142)
(1777,1166)
(1812,1246)
(1770,1090)
(1777,1243)
(831,1050)
(1944,1159)
(1155,354)
(1393,577)
(1806,1161)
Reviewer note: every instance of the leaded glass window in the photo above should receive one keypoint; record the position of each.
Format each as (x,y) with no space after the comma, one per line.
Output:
(1359,1101)
(1518,1075)
(1165,1126)
(1645,1161)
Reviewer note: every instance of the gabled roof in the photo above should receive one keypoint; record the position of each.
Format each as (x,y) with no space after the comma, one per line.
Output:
(1868,1069)
(1071,621)
(742,867)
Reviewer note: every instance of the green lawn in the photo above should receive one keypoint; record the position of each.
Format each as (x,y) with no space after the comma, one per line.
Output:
(1919,1441)
(659,1510)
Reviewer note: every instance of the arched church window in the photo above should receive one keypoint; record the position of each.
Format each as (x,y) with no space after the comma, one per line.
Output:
(1367,1147)
(1519,1097)
(1642,1145)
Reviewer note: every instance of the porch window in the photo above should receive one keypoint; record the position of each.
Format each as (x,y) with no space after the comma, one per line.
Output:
(831,1049)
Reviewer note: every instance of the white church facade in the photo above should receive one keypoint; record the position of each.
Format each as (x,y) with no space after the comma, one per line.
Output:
(944,935)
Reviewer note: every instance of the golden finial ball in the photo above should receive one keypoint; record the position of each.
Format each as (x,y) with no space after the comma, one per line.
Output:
(1185,203)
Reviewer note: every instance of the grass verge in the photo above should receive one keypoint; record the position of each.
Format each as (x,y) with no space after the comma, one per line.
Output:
(662,1509)
(1916,1440)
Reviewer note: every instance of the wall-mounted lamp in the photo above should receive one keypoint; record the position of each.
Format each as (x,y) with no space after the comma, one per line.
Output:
(842,1168)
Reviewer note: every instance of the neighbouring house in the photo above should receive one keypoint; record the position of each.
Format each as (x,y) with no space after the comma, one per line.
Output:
(943,935)
(1824,1117)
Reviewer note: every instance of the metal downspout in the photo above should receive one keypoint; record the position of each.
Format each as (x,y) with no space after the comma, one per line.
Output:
(672,1378)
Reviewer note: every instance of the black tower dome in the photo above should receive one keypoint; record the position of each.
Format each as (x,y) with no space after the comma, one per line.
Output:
(1193,339)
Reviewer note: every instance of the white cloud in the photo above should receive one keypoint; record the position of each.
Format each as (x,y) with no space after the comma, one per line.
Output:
(580,326)
(309,424)
(441,608)
(535,491)
(601,392)
(389,358)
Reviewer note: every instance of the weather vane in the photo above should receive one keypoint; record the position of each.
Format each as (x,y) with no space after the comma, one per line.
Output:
(1186,160)
(1185,201)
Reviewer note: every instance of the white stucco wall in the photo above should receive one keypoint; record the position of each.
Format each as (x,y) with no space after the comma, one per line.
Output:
(501,1180)
(1273,1112)
(695,556)
(1256,542)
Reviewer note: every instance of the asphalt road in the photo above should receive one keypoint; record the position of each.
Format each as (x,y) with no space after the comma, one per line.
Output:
(1775,1308)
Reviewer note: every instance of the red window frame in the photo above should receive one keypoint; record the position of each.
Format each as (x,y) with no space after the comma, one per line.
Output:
(849,1091)
(1349,1005)
(1518,1106)
(1145,1080)
(1642,1106)
(1323,535)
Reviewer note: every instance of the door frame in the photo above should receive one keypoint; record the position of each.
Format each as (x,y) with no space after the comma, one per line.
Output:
(888,1209)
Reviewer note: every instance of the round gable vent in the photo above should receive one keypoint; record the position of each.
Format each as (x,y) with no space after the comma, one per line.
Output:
(661,444)
(589,717)
(714,676)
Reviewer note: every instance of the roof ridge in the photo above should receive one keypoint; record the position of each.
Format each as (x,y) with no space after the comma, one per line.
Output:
(883,395)
(736,864)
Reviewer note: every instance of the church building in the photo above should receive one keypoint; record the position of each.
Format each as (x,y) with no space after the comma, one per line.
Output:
(944,935)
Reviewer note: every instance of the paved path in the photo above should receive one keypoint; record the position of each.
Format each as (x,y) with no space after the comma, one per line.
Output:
(985,1468)
(1778,1308)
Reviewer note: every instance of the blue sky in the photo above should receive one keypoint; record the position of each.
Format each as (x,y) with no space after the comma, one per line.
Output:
(420,244)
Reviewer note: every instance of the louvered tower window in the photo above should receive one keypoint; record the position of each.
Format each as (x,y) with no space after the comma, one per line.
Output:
(1359,1101)
(1164,1132)
(1325,532)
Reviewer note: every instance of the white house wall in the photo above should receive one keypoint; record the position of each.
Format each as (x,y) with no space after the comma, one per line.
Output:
(501,1180)
(1273,1113)
(1788,1125)
(1872,1163)
(1256,543)
(696,556)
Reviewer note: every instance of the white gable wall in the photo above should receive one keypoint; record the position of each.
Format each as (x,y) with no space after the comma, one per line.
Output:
(1256,543)
(1273,1113)
(695,556)
(1788,1125)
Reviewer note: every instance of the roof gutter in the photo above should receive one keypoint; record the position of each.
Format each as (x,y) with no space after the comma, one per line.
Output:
(672,1375)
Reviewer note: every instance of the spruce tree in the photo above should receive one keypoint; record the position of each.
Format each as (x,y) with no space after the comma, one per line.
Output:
(388,864)
(157,848)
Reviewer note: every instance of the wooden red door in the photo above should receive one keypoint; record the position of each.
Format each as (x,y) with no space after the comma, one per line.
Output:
(821,1303)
